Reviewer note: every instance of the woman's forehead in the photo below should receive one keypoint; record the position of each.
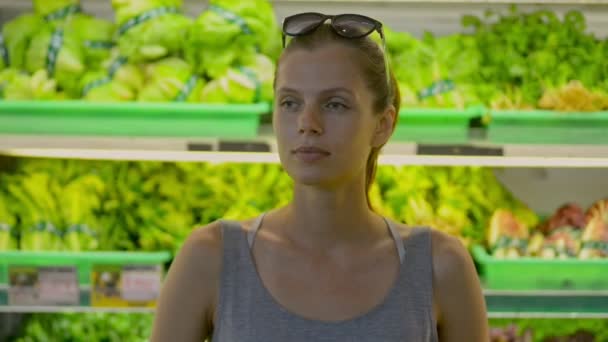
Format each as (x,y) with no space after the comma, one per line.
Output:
(319,69)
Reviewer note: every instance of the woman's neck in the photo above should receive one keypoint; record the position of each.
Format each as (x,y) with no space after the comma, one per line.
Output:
(323,219)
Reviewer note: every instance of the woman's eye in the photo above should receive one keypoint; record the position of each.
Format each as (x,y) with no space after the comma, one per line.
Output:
(288,104)
(335,106)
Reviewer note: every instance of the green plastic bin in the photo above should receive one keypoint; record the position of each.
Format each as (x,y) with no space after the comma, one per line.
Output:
(548,127)
(83,261)
(131,119)
(433,125)
(540,274)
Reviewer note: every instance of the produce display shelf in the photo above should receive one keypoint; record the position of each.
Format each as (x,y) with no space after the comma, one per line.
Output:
(531,273)
(130,119)
(429,125)
(500,304)
(548,127)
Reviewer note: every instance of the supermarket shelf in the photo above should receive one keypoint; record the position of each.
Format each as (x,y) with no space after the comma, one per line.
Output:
(501,304)
(70,309)
(265,152)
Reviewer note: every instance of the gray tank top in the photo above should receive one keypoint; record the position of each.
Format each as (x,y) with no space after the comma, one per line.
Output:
(247,311)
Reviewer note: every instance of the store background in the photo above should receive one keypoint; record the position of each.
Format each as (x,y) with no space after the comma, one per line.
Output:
(542,188)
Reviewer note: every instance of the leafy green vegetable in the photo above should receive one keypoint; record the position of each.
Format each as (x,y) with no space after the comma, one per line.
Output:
(17,35)
(171,79)
(246,84)
(230,33)
(95,35)
(49,7)
(20,86)
(97,86)
(161,32)
(61,54)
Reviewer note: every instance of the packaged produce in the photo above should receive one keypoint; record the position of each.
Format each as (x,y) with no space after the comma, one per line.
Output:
(59,53)
(53,10)
(21,86)
(249,83)
(16,36)
(595,236)
(574,97)
(171,79)
(507,236)
(150,29)
(95,35)
(230,33)
(568,215)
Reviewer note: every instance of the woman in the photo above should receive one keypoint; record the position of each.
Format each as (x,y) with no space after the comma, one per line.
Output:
(326,267)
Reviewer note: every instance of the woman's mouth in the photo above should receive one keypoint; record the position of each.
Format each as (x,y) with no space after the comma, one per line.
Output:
(310,154)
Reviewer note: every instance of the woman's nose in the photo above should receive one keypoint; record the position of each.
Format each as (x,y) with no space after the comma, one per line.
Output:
(310,121)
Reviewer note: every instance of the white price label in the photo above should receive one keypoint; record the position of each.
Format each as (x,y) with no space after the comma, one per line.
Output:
(58,285)
(141,284)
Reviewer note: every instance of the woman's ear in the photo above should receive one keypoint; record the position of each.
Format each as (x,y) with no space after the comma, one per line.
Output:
(384,126)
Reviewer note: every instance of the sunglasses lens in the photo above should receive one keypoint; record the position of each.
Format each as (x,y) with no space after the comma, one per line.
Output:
(353,26)
(301,23)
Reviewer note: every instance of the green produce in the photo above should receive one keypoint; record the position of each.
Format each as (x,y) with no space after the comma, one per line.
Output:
(60,54)
(171,79)
(95,35)
(17,35)
(56,9)
(230,33)
(89,327)
(20,86)
(537,51)
(97,86)
(545,330)
(150,29)
(250,83)
(43,236)
(7,222)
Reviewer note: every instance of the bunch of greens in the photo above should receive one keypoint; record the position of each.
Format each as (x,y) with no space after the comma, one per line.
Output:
(248,83)
(150,29)
(171,79)
(7,223)
(456,200)
(87,327)
(438,72)
(557,329)
(95,36)
(17,35)
(16,85)
(116,80)
(524,53)
(53,10)
(230,33)
(60,53)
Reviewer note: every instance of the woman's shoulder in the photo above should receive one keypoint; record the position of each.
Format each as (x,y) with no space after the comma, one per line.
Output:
(207,239)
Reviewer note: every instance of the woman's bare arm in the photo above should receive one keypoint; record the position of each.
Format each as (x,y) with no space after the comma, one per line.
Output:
(462,311)
(188,298)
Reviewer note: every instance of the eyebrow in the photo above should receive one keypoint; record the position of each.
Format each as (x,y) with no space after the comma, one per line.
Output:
(325,91)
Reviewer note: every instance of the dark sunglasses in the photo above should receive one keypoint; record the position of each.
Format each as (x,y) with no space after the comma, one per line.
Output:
(351,26)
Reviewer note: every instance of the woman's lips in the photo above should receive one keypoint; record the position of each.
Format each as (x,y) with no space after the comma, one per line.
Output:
(310,154)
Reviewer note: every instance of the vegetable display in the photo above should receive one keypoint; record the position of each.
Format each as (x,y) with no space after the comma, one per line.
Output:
(569,233)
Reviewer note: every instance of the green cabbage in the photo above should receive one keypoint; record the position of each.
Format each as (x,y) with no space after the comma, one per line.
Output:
(218,41)
(154,38)
(51,7)
(17,35)
(247,84)
(171,79)
(69,65)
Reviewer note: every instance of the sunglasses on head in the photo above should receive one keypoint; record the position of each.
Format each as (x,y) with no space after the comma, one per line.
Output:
(351,26)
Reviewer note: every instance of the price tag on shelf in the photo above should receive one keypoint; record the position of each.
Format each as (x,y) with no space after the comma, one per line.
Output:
(141,283)
(43,286)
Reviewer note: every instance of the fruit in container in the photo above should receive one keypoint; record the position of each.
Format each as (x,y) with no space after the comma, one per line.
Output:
(595,236)
(507,236)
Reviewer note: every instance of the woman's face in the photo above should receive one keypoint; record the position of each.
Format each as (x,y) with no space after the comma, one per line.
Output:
(323,116)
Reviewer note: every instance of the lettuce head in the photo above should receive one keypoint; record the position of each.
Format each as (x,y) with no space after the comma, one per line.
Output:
(97,86)
(69,62)
(245,84)
(95,35)
(17,35)
(21,86)
(54,7)
(229,33)
(171,79)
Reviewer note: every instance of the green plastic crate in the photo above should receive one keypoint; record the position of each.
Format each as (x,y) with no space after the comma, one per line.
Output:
(548,127)
(83,261)
(432,125)
(131,119)
(540,274)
